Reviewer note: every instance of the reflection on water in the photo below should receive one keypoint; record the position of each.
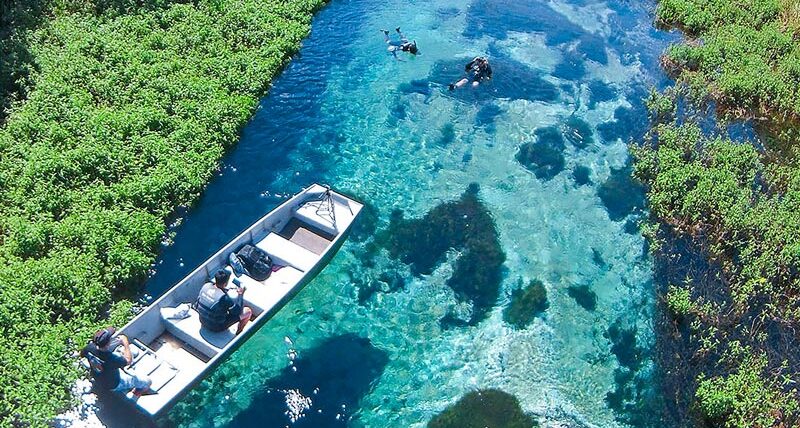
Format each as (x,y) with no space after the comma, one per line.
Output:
(545,143)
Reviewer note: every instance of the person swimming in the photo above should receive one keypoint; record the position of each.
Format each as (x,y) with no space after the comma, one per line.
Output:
(402,45)
(477,70)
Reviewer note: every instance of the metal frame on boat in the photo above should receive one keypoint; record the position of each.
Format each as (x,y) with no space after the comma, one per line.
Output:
(300,236)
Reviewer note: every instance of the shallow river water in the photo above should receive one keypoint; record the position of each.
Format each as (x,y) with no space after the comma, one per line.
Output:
(370,342)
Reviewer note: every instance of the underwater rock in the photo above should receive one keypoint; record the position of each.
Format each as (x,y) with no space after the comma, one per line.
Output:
(584,296)
(621,194)
(465,225)
(545,157)
(581,175)
(526,304)
(484,408)
(578,132)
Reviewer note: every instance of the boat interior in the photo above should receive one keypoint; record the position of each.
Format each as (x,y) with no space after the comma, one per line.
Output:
(169,343)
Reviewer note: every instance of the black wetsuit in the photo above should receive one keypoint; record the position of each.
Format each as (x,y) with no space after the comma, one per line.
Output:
(479,68)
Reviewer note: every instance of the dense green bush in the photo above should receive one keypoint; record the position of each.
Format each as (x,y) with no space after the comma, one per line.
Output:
(129,105)
(737,201)
(747,52)
(746,397)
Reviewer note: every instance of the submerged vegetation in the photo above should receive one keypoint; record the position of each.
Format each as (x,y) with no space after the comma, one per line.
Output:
(484,408)
(122,111)
(735,318)
(465,225)
(526,304)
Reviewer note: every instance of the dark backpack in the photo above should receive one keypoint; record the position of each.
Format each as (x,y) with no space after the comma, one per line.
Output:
(256,261)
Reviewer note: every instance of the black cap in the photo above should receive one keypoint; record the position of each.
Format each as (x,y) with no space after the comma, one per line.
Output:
(102,337)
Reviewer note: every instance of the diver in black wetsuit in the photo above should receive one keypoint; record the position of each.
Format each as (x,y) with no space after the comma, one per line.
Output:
(477,70)
(402,45)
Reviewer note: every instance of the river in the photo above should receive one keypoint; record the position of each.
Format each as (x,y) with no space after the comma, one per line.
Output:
(368,342)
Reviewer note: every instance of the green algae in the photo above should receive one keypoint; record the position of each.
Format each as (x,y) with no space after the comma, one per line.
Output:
(465,225)
(484,408)
(526,304)
(584,296)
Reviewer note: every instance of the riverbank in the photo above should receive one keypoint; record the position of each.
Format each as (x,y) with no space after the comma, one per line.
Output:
(127,109)
(724,203)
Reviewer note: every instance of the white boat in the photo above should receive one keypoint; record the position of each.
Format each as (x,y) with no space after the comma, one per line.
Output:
(300,236)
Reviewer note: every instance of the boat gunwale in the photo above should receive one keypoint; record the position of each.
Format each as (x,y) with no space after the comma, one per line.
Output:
(264,316)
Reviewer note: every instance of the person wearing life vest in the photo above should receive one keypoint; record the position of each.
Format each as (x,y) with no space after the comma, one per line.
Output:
(217,309)
(107,365)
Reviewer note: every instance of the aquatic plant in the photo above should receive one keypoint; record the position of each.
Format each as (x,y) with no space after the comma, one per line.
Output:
(526,304)
(465,225)
(129,106)
(545,157)
(581,174)
(578,132)
(484,408)
(620,194)
(584,296)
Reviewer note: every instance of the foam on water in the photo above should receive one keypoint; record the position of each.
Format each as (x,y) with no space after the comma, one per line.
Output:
(389,132)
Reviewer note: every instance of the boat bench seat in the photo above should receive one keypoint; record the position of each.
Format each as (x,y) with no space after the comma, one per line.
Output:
(206,341)
(264,295)
(285,252)
(321,218)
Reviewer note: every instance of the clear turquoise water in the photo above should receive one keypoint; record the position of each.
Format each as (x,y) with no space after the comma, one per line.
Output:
(348,114)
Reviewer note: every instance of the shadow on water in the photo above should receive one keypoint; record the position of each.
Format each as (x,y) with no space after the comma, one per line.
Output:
(335,375)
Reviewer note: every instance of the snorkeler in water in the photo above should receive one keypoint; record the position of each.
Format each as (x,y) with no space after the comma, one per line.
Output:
(402,45)
(477,71)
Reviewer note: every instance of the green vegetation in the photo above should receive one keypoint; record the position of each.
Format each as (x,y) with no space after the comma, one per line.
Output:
(736,202)
(526,304)
(679,301)
(484,408)
(128,105)
(747,397)
(584,296)
(749,57)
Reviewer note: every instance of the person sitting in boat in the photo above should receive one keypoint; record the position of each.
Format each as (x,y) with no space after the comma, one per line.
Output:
(477,70)
(106,363)
(217,310)
(402,45)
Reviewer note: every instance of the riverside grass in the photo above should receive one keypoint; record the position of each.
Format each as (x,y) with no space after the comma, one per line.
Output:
(738,201)
(130,105)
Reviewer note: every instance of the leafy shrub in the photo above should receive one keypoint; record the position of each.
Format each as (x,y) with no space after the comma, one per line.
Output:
(746,398)
(129,105)
(679,301)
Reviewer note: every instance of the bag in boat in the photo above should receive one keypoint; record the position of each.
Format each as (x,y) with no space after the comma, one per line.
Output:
(237,265)
(256,261)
